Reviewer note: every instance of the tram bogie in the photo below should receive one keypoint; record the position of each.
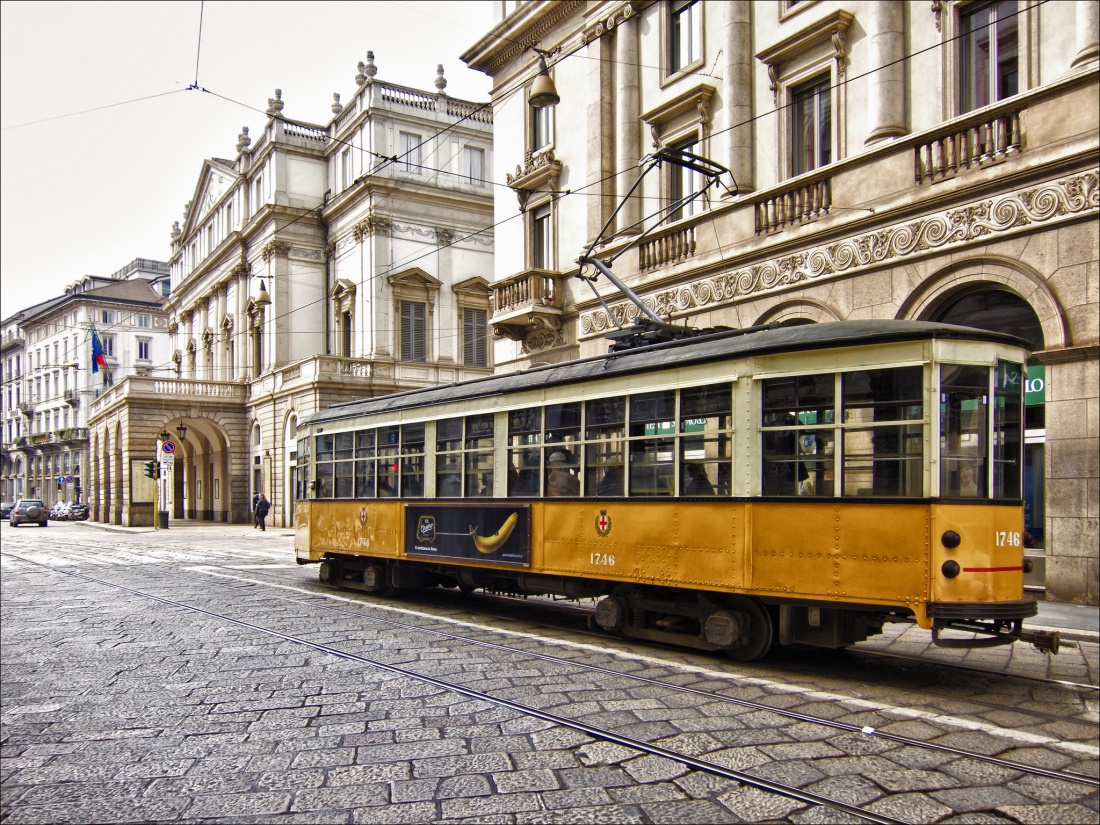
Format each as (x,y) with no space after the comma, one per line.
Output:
(797,486)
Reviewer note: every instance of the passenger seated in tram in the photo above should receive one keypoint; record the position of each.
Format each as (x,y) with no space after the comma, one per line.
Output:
(612,482)
(561,481)
(697,482)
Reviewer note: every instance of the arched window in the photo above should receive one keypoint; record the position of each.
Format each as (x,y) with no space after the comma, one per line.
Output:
(997,310)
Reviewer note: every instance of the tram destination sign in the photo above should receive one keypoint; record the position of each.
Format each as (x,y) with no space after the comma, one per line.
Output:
(455,531)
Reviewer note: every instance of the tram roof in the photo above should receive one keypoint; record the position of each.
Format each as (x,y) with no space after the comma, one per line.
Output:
(717,346)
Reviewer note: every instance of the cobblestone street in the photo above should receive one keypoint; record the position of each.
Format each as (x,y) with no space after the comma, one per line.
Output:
(152,686)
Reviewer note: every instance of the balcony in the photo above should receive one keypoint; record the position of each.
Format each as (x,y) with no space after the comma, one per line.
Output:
(72,398)
(988,175)
(68,435)
(528,303)
(27,408)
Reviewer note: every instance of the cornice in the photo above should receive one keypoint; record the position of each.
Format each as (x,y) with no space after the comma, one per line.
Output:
(516,33)
(982,221)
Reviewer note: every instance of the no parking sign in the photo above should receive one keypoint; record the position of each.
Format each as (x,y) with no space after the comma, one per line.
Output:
(168,447)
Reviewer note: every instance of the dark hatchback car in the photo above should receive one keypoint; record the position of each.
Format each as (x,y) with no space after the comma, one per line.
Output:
(5,509)
(30,511)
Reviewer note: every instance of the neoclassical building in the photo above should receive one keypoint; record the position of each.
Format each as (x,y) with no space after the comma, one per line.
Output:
(319,264)
(886,159)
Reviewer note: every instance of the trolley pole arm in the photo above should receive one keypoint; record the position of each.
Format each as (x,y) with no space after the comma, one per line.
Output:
(604,270)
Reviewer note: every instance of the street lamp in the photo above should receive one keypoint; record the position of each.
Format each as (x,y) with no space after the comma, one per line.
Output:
(262,298)
(181,431)
(544,93)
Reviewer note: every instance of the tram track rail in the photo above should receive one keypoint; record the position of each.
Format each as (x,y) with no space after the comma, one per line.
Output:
(312,601)
(595,732)
(1071,776)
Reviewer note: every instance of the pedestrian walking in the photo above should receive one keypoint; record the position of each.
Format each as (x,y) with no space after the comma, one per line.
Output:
(255,501)
(262,506)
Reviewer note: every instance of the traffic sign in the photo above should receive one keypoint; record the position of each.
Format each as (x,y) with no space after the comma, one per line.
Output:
(69,479)
(168,447)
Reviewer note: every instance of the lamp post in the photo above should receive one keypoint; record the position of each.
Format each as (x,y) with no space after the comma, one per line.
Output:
(544,93)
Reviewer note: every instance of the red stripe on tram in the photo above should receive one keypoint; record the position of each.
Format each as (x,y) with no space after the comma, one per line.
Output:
(990,569)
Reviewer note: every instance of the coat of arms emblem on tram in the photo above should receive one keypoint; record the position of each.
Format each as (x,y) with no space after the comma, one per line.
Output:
(603,523)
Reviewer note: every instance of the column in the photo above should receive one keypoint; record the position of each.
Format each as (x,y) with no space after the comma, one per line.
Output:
(628,141)
(1086,34)
(737,91)
(886,83)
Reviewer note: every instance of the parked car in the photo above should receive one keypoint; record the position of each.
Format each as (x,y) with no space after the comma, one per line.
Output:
(5,509)
(30,511)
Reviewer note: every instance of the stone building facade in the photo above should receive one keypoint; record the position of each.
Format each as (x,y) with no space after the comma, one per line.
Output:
(48,382)
(889,159)
(319,264)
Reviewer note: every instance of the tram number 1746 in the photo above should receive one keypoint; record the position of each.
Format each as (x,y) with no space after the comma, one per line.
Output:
(603,559)
(1007,539)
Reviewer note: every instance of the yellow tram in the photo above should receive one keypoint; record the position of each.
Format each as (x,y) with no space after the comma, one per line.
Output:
(729,491)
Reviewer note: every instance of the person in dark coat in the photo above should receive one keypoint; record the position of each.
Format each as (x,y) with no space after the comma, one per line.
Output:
(262,506)
(255,501)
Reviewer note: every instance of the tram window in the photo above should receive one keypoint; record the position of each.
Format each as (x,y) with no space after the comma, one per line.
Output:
(561,457)
(883,460)
(605,450)
(524,438)
(1008,430)
(324,481)
(479,454)
(343,475)
(705,444)
(303,485)
(448,460)
(324,447)
(964,403)
(798,452)
(388,440)
(345,446)
(652,434)
(412,460)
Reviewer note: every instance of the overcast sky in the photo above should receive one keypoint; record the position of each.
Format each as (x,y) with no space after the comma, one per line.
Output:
(87,193)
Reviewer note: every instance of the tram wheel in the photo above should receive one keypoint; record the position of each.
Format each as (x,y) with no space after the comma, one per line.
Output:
(760,633)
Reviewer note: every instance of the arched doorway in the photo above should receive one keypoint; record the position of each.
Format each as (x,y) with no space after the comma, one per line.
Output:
(993,307)
(202,488)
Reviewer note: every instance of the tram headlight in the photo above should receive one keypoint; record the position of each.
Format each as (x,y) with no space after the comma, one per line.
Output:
(950,569)
(1029,565)
(951,540)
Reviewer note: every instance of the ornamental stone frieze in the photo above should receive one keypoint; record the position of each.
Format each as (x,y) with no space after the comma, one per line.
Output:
(984,221)
(305,253)
(273,248)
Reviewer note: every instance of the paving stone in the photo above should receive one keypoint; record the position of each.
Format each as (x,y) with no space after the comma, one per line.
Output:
(357,796)
(243,804)
(523,781)
(1063,814)
(611,814)
(578,798)
(910,780)
(851,790)
(702,811)
(914,807)
(479,807)
(979,799)
(751,804)
(413,813)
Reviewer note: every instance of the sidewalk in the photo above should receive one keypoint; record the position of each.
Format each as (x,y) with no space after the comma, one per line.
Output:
(1075,622)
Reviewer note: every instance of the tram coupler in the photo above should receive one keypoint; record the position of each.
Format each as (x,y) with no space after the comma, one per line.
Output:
(1047,641)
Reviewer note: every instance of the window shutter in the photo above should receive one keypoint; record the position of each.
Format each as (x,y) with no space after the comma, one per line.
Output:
(412,332)
(473,338)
